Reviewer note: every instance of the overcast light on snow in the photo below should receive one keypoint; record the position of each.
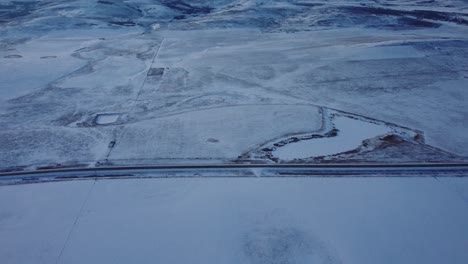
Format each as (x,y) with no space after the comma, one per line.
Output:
(244,87)
(236,220)
(86,83)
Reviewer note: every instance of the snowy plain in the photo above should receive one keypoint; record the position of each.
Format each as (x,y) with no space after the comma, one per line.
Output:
(85,83)
(236,220)
(143,82)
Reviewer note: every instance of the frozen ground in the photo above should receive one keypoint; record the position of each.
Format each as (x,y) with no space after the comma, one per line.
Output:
(86,83)
(124,82)
(236,220)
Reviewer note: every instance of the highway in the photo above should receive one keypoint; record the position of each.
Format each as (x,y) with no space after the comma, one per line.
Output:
(239,170)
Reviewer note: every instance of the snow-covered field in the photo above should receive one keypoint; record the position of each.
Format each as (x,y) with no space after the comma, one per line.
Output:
(237,220)
(148,82)
(85,83)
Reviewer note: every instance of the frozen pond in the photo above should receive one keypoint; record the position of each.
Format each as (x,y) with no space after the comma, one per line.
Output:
(106,119)
(350,135)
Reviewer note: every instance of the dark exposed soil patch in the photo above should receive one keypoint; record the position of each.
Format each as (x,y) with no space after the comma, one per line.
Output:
(14,56)
(186,8)
(124,23)
(413,14)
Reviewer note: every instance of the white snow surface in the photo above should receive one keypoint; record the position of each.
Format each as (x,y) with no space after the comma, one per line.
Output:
(227,78)
(215,133)
(42,61)
(385,53)
(64,62)
(236,220)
